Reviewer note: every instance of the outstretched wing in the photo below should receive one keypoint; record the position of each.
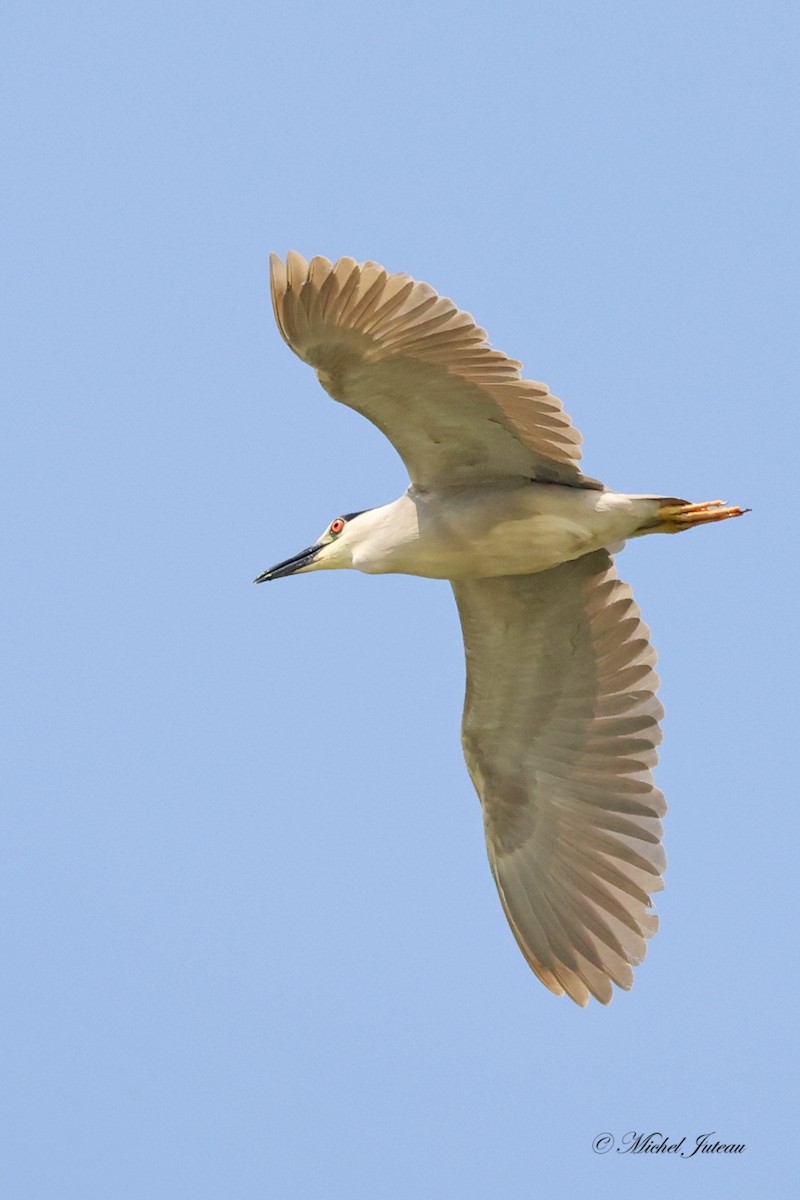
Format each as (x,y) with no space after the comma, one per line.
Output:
(560,732)
(422,371)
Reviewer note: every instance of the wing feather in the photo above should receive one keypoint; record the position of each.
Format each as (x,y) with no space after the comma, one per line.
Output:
(390,347)
(560,733)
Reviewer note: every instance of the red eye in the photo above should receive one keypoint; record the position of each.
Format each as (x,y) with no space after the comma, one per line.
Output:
(338,525)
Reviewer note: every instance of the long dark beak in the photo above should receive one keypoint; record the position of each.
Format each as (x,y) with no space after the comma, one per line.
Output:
(290,565)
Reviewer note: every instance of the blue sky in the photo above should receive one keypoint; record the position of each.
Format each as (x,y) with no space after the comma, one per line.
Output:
(251,943)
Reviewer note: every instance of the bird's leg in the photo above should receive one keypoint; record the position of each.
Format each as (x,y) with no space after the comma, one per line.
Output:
(672,517)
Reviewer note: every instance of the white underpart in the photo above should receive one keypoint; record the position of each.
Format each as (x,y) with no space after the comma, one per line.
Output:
(471,533)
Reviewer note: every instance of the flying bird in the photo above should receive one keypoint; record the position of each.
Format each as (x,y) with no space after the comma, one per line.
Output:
(561,719)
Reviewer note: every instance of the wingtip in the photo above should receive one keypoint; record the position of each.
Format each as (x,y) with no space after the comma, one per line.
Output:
(277,275)
(277,288)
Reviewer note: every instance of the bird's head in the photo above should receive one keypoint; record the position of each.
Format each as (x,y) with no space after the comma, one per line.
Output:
(332,549)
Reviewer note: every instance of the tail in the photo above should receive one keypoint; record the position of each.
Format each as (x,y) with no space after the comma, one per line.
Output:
(673,515)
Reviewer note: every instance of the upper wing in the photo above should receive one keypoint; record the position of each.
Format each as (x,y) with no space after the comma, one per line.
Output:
(455,410)
(560,730)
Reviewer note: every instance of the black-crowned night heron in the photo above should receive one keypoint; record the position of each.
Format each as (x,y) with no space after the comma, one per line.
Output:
(561,718)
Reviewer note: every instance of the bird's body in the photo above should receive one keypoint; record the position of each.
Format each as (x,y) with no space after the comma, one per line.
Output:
(504,528)
(561,720)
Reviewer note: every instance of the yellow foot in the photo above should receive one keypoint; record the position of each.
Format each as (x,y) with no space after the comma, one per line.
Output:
(675,517)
